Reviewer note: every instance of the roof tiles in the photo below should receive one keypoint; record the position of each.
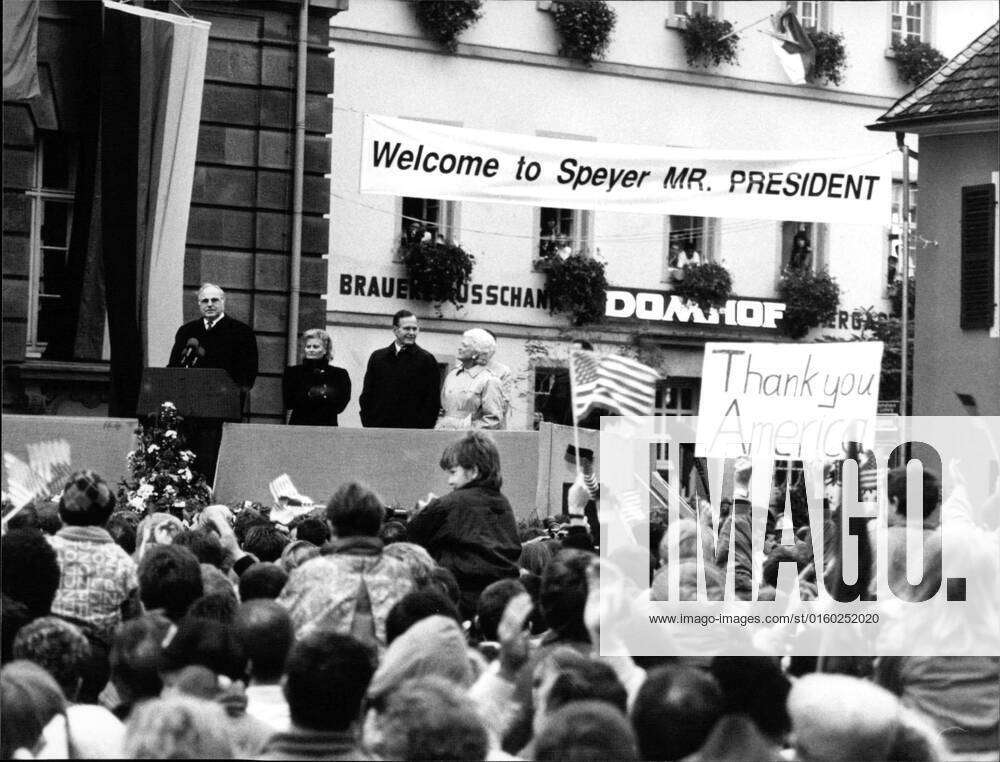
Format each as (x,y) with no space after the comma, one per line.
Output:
(968,84)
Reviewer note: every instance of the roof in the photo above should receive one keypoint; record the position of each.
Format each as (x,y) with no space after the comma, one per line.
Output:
(964,88)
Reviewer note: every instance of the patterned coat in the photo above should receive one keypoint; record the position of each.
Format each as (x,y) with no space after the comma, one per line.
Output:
(350,589)
(97,577)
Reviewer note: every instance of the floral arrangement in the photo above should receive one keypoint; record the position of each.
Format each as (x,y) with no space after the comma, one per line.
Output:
(585,28)
(706,42)
(437,269)
(708,285)
(443,20)
(811,299)
(575,285)
(916,60)
(162,469)
(831,57)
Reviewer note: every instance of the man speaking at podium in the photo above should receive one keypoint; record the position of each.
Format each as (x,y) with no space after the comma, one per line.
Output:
(214,340)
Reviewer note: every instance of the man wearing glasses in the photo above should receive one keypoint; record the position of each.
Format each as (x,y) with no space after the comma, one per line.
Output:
(214,340)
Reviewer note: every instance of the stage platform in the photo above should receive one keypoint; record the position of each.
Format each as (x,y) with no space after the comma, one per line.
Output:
(401,465)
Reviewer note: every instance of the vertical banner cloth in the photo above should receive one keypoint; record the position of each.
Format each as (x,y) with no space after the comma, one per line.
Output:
(20,50)
(152,81)
(402,157)
(787,401)
(620,384)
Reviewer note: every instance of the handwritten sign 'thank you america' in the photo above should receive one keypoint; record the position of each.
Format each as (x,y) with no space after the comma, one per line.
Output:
(787,401)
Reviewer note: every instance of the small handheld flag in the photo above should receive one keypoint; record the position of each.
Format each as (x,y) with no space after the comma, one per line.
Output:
(620,384)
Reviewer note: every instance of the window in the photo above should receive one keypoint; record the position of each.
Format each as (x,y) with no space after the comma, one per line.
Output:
(427,219)
(909,21)
(809,12)
(678,397)
(803,246)
(893,272)
(548,378)
(690,239)
(51,224)
(977,258)
(689,8)
(562,232)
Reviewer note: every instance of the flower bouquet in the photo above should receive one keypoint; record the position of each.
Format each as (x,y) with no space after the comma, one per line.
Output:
(163,472)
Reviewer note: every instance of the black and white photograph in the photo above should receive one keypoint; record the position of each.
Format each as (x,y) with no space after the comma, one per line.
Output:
(501,380)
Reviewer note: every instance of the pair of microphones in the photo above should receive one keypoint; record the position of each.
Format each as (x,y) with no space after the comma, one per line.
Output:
(192,353)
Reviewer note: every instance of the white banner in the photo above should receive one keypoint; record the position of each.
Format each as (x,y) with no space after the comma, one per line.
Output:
(402,157)
(798,401)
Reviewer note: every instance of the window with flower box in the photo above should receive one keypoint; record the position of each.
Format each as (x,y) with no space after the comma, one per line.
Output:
(683,233)
(426,219)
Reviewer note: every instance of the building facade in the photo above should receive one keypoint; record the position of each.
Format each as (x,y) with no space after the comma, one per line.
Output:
(56,350)
(956,116)
(506,76)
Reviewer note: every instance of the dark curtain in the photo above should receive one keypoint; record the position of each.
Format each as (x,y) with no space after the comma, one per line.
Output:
(120,88)
(81,303)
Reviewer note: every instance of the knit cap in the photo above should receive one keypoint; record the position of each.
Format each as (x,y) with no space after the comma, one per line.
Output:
(85,489)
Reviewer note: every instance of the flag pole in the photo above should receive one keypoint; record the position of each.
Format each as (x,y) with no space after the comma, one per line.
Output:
(744,28)
(572,397)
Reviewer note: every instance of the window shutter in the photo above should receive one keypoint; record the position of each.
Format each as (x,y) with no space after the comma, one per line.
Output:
(977,256)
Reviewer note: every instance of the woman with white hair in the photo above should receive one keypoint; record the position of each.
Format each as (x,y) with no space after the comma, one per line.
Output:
(316,391)
(471,396)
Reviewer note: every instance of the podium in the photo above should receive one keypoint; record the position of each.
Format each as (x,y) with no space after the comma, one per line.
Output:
(197,393)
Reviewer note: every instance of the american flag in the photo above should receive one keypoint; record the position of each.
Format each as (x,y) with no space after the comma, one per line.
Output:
(621,385)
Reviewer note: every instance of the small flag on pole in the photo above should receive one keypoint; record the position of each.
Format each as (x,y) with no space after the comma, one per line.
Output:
(792,46)
(622,385)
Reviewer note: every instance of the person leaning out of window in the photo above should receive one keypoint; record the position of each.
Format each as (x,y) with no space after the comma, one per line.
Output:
(680,258)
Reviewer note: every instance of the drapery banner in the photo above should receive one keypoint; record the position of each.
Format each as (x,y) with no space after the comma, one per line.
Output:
(20,50)
(403,157)
(153,77)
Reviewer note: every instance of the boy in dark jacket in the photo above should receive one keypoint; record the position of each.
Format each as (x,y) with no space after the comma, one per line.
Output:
(472,532)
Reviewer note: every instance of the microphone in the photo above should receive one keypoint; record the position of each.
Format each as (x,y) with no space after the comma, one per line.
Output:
(188,356)
(198,356)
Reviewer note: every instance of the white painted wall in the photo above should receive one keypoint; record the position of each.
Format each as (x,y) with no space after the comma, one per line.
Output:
(542,93)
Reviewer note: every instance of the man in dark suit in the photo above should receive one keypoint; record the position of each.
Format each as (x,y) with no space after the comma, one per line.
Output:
(214,340)
(402,383)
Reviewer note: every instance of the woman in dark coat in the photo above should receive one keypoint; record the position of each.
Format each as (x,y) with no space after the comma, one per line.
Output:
(315,392)
(471,532)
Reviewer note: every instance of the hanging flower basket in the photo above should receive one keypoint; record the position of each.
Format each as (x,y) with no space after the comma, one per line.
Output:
(584,27)
(577,286)
(811,299)
(444,20)
(916,61)
(438,270)
(708,285)
(831,57)
(706,43)
(164,475)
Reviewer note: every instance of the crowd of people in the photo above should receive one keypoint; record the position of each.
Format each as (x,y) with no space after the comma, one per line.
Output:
(451,632)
